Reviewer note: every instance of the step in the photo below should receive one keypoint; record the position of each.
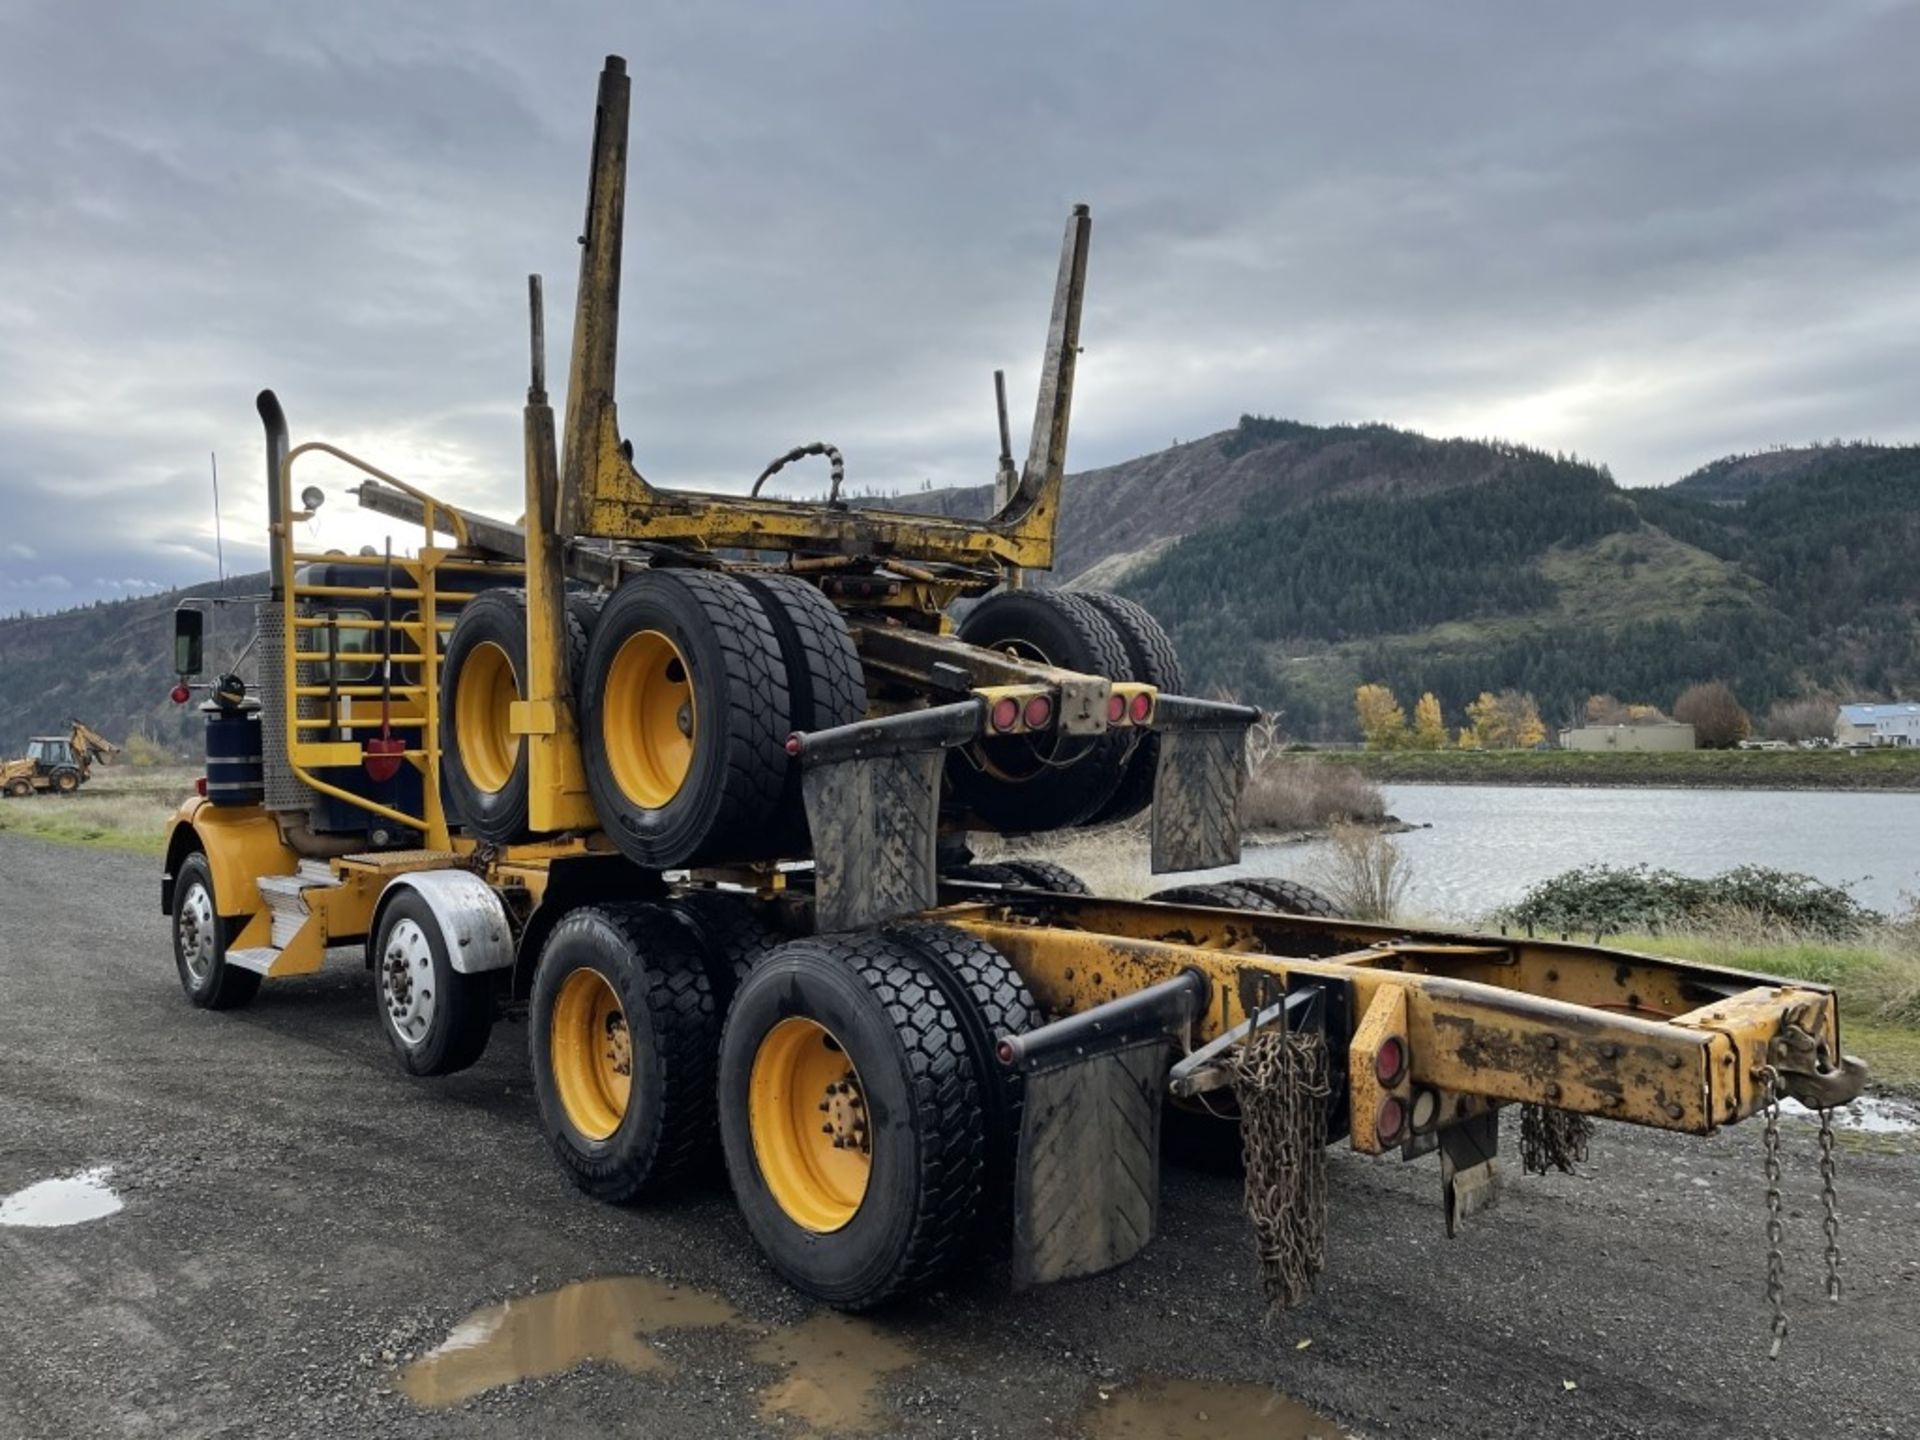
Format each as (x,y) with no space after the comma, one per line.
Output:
(316,872)
(257,958)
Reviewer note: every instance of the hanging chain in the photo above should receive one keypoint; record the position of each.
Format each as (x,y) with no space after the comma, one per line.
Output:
(1552,1139)
(1831,1200)
(1281,1081)
(1776,1230)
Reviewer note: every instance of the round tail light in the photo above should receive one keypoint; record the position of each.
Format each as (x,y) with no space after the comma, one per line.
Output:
(1006,713)
(1391,1119)
(1426,1109)
(1039,712)
(1390,1060)
(1142,708)
(1116,709)
(179,694)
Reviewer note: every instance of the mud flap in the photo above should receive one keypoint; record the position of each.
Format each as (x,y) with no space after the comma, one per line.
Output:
(1469,1171)
(1087,1189)
(872,792)
(1196,788)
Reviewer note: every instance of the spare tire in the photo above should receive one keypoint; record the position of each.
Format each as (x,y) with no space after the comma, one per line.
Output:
(825,683)
(481,674)
(1152,660)
(684,718)
(1043,781)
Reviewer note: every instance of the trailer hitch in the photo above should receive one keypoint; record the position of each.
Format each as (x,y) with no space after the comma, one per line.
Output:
(1800,1059)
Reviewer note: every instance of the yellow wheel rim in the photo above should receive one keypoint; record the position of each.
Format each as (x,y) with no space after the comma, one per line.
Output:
(482,705)
(648,721)
(811,1132)
(592,1054)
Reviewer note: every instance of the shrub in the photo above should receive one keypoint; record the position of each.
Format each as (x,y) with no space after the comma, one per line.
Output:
(1288,793)
(1809,719)
(1715,714)
(1603,899)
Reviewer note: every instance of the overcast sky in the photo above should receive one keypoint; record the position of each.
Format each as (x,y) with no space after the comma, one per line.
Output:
(1649,234)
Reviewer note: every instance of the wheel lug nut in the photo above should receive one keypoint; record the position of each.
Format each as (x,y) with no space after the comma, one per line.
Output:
(827,1129)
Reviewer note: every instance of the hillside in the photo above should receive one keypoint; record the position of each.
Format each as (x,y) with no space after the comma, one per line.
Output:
(1292,562)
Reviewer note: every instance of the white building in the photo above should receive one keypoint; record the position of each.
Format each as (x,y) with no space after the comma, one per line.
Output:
(1666,735)
(1897,723)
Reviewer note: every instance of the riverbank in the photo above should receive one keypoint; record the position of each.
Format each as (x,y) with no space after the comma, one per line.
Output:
(1885,768)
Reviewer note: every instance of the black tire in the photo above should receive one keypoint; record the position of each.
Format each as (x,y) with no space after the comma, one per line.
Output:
(450,1031)
(733,930)
(483,765)
(1022,783)
(880,1004)
(1289,896)
(583,613)
(658,980)
(1223,894)
(718,800)
(18,789)
(200,938)
(991,1000)
(826,685)
(1021,875)
(1152,660)
(66,781)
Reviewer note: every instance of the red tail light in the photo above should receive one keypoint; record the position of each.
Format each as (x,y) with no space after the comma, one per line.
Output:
(1142,708)
(1116,709)
(1391,1119)
(179,694)
(793,744)
(1006,713)
(200,786)
(1390,1060)
(1039,713)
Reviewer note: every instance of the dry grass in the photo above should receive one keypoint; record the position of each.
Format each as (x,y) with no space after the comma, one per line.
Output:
(1362,872)
(1292,793)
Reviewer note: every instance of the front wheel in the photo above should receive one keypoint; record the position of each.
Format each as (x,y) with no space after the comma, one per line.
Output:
(436,1019)
(850,1114)
(200,943)
(65,782)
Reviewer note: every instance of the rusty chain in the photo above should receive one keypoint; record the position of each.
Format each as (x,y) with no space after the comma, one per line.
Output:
(1552,1139)
(1776,1229)
(1282,1081)
(1831,1200)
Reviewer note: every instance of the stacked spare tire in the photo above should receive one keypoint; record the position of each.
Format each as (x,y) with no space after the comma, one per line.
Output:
(687,684)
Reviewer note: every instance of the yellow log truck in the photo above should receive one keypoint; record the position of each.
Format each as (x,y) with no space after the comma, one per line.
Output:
(685,781)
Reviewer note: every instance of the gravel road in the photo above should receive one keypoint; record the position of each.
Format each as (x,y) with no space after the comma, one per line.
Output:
(300,1220)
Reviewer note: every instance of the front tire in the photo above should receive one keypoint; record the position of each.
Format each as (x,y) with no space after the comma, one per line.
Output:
(850,1115)
(437,1020)
(200,942)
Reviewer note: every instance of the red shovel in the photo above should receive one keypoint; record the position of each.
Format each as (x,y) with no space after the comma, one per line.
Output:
(382,754)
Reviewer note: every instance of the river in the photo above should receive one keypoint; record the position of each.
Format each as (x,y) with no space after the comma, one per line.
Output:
(1490,842)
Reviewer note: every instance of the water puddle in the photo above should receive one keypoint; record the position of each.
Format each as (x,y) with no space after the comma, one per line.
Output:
(1202,1410)
(70,1200)
(1870,1114)
(831,1364)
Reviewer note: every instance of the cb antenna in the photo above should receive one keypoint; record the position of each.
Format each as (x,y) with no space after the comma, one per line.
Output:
(219,549)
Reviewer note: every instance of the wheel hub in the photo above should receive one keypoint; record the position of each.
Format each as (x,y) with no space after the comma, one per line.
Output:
(845,1107)
(196,922)
(406,970)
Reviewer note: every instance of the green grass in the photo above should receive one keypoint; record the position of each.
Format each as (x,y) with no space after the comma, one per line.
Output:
(121,809)
(1878,769)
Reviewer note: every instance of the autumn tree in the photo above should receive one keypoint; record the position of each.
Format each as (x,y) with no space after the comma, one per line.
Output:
(1715,714)
(1808,719)
(1383,724)
(1507,721)
(1429,725)
(1606,710)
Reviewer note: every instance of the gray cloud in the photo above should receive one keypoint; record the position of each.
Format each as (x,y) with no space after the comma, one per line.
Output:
(1644,235)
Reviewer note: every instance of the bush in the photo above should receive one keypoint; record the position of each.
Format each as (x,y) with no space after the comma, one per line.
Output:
(1715,714)
(1604,899)
(1363,873)
(1811,719)
(1287,793)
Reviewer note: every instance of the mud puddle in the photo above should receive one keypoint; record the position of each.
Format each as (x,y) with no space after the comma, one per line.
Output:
(831,1365)
(1870,1114)
(69,1200)
(1168,1409)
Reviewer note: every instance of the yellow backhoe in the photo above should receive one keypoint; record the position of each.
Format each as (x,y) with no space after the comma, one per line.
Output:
(685,782)
(57,764)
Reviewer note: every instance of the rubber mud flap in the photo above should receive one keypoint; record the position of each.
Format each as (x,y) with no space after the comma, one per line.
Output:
(1469,1169)
(874,822)
(1196,793)
(1087,1189)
